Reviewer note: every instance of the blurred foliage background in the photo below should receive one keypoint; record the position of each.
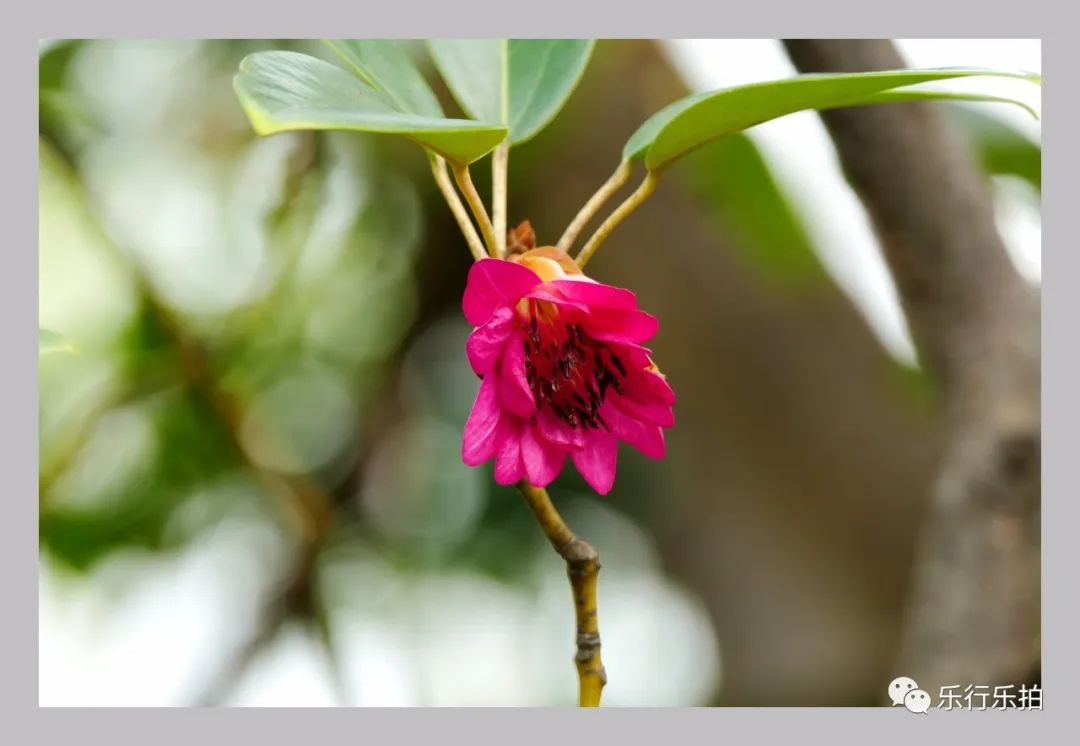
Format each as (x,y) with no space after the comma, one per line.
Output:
(251,489)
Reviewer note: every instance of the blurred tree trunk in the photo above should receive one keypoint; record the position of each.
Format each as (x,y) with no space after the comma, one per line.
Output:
(974,606)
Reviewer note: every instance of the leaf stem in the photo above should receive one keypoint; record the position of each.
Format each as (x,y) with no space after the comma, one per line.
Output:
(621,212)
(446,186)
(582,567)
(476,204)
(500,163)
(589,210)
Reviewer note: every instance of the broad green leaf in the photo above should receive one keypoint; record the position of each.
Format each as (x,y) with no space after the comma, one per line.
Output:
(697,119)
(901,95)
(644,136)
(473,69)
(521,83)
(282,91)
(386,67)
(50,342)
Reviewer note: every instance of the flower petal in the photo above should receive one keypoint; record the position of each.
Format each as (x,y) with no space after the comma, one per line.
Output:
(558,431)
(508,464)
(548,293)
(492,284)
(596,294)
(648,385)
(639,357)
(486,342)
(644,436)
(478,441)
(659,387)
(543,460)
(655,412)
(596,460)
(514,391)
(617,325)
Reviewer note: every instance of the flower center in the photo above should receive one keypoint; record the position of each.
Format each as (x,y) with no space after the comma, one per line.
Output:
(568,370)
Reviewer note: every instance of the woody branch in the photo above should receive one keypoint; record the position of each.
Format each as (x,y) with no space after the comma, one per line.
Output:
(582,567)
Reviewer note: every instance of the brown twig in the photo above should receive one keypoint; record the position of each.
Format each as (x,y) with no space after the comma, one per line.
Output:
(461,215)
(500,164)
(476,204)
(593,205)
(582,567)
(633,202)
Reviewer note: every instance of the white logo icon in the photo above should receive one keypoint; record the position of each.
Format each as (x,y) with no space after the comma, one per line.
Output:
(917,701)
(899,689)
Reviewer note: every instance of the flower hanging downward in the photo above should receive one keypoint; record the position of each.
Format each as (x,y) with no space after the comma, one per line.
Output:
(563,369)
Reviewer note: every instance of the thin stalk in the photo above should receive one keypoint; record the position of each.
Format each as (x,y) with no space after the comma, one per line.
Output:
(589,210)
(621,212)
(500,164)
(582,567)
(472,198)
(461,215)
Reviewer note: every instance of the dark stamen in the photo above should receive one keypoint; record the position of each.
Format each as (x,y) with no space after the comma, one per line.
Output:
(604,382)
(618,364)
(567,370)
(594,395)
(600,419)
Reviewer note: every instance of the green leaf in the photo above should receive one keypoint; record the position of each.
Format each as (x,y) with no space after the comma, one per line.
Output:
(521,83)
(644,136)
(1003,149)
(386,67)
(902,95)
(50,342)
(690,122)
(47,45)
(474,69)
(283,91)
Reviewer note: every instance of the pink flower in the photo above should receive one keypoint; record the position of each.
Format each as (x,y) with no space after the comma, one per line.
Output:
(563,372)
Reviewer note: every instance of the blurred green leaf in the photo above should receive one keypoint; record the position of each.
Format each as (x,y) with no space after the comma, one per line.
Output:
(282,91)
(386,67)
(1003,149)
(521,83)
(63,116)
(734,182)
(191,451)
(66,121)
(54,59)
(695,120)
(50,342)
